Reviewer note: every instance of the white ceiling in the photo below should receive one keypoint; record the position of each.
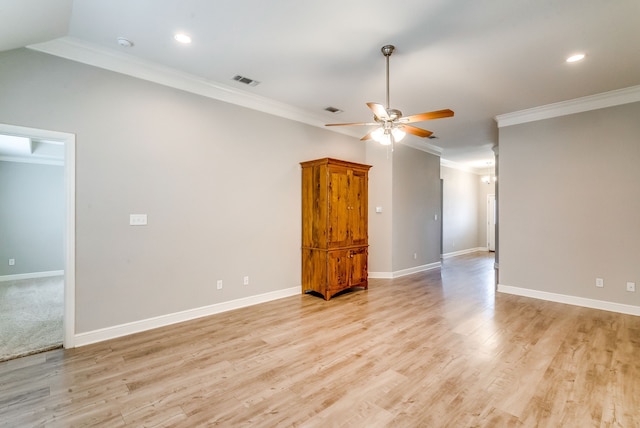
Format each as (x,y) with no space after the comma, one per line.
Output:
(480,58)
(25,22)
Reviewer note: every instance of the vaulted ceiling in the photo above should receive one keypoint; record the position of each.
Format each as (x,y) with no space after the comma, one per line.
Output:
(480,58)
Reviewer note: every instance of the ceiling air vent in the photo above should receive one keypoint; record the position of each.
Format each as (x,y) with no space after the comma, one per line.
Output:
(333,110)
(245,80)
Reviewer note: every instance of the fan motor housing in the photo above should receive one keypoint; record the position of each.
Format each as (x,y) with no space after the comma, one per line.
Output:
(394,114)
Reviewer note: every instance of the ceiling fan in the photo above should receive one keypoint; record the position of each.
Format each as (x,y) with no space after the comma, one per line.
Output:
(392,126)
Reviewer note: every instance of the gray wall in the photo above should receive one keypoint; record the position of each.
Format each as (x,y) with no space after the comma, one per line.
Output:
(31,217)
(464,210)
(380,195)
(416,199)
(220,185)
(570,204)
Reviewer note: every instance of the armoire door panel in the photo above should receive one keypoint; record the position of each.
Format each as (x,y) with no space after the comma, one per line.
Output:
(338,268)
(338,235)
(358,267)
(357,211)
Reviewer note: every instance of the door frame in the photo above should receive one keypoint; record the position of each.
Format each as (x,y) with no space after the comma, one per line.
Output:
(69,141)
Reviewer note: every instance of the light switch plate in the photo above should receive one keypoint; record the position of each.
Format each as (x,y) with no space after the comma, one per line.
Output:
(138,219)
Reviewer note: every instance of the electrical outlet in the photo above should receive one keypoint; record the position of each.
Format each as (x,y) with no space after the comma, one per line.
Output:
(219,284)
(631,286)
(415,256)
(599,282)
(245,280)
(12,262)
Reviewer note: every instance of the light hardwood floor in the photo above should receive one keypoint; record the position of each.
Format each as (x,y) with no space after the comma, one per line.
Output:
(434,349)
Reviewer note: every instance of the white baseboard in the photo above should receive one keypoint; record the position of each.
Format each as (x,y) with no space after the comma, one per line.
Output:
(403,272)
(381,275)
(462,252)
(571,300)
(82,339)
(32,275)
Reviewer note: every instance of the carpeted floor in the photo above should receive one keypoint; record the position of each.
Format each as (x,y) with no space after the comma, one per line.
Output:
(31,312)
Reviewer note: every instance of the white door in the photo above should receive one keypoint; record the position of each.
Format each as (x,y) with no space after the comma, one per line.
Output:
(491,222)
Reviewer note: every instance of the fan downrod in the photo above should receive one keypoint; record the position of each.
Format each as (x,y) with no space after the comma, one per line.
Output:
(387,50)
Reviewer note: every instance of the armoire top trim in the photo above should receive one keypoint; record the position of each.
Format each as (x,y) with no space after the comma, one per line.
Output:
(578,105)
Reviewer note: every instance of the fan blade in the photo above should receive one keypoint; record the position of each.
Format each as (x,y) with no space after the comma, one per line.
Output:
(439,114)
(416,131)
(367,137)
(378,110)
(351,124)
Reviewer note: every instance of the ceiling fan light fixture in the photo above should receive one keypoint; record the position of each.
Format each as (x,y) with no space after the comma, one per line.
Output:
(398,134)
(392,126)
(382,136)
(385,140)
(377,134)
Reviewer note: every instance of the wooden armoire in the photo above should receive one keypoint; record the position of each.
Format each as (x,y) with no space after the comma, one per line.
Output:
(334,226)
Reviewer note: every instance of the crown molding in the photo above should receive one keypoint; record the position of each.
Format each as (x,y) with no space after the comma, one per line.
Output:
(90,54)
(578,105)
(419,145)
(108,59)
(462,167)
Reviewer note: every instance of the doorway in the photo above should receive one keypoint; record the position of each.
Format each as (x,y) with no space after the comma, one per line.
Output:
(491,222)
(68,141)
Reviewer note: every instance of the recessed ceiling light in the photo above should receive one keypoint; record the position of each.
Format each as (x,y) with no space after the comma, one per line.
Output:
(576,57)
(182,38)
